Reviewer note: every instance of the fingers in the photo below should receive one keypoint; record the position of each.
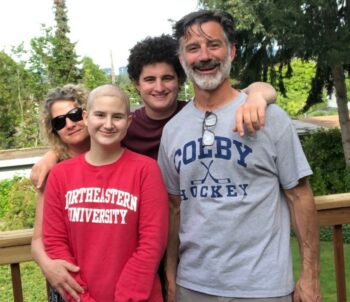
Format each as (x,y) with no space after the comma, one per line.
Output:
(73,293)
(239,121)
(58,274)
(296,297)
(70,267)
(252,118)
(261,117)
(251,121)
(69,286)
(69,280)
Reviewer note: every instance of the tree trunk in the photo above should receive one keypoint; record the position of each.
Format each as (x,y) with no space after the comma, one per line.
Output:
(343,111)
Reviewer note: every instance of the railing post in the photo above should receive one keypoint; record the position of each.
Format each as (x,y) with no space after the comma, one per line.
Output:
(16,282)
(339,262)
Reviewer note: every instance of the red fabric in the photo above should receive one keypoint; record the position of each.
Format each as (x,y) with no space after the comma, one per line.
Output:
(144,134)
(117,237)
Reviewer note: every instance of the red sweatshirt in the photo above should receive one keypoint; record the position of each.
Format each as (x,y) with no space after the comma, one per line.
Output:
(111,221)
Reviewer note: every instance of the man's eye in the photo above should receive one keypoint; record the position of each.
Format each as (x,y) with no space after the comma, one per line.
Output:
(214,45)
(192,48)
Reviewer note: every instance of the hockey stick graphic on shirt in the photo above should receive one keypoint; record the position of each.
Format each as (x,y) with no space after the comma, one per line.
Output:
(216,180)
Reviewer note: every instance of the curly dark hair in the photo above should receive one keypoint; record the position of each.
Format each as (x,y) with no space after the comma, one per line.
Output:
(181,27)
(162,49)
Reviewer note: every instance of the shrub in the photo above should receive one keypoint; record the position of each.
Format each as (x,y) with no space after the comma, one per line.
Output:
(21,205)
(324,151)
(5,187)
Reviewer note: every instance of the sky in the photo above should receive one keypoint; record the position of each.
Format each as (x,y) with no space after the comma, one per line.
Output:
(99,27)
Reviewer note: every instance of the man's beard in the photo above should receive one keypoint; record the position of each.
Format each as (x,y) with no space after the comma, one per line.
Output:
(210,81)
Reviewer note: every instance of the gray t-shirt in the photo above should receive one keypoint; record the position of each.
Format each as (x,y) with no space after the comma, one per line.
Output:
(234,221)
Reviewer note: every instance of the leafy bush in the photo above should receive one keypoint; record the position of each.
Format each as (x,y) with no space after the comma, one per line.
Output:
(297,86)
(5,187)
(324,151)
(21,205)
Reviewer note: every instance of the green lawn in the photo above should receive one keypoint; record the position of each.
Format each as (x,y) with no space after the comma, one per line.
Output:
(35,291)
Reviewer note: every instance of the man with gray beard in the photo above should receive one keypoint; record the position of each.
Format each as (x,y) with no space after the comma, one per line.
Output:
(231,197)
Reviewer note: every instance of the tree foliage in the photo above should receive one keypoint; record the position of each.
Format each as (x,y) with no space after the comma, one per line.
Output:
(18,110)
(63,68)
(27,74)
(273,32)
(92,74)
(296,86)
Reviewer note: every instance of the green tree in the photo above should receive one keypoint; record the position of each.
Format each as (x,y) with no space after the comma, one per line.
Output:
(124,83)
(53,59)
(17,104)
(63,68)
(297,86)
(93,75)
(274,32)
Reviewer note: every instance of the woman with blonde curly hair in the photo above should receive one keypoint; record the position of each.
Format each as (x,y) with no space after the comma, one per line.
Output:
(57,128)
(67,135)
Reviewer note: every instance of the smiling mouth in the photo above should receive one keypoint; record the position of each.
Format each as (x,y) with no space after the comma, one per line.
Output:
(206,67)
(74,132)
(163,95)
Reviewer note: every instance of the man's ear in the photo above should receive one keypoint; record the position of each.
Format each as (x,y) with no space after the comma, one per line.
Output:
(232,52)
(181,59)
(85,116)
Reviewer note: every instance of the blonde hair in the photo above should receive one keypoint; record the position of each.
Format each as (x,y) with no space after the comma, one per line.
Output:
(75,93)
(108,90)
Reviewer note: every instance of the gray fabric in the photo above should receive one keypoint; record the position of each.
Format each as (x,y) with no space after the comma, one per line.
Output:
(187,295)
(234,228)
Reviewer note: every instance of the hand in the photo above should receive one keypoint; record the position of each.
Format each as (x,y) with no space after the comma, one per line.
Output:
(307,289)
(40,171)
(251,114)
(58,274)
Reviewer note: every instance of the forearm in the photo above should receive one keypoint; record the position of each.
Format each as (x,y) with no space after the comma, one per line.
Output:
(37,247)
(39,254)
(305,222)
(264,89)
(172,253)
(137,280)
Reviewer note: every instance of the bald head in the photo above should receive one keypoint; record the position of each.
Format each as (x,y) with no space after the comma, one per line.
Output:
(108,90)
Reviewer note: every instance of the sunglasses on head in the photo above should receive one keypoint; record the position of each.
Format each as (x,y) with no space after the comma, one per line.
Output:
(59,122)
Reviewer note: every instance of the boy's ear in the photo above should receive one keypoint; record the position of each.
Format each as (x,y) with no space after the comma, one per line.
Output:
(137,86)
(129,119)
(85,116)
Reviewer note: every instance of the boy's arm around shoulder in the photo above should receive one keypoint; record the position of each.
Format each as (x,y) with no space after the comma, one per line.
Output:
(252,112)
